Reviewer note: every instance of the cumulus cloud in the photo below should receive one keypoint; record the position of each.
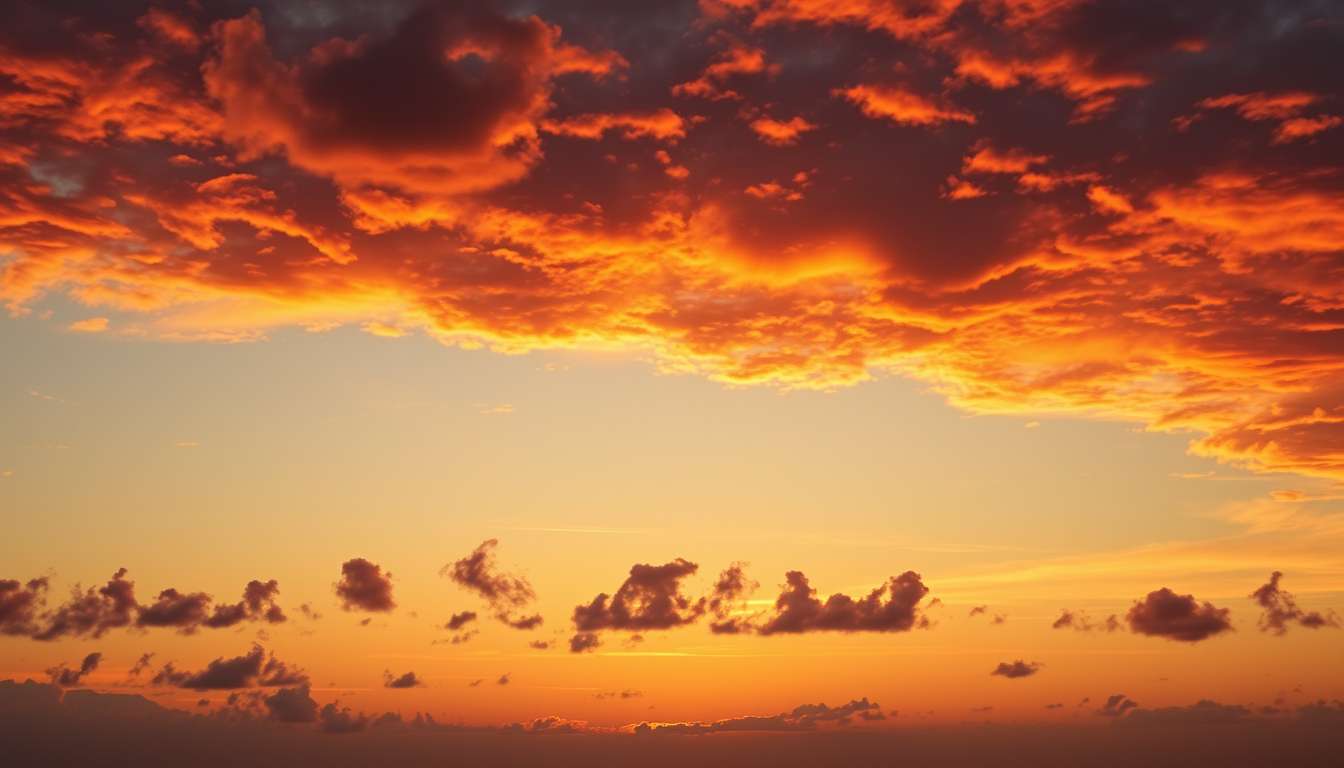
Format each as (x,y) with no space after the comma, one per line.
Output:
(94,611)
(364,586)
(1081,622)
(408,680)
(291,705)
(68,678)
(649,598)
(1163,613)
(892,607)
(1016,669)
(1281,609)
(19,605)
(506,593)
(253,669)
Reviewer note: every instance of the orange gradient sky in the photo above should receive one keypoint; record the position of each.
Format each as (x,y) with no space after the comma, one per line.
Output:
(1040,301)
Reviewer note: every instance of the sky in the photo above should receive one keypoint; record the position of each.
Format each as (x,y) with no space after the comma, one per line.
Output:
(732,365)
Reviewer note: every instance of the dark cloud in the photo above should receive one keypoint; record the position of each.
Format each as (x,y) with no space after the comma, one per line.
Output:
(408,680)
(92,612)
(258,604)
(186,612)
(650,598)
(582,642)
(504,679)
(1164,613)
(459,620)
(19,605)
(364,587)
(1203,712)
(727,596)
(628,693)
(333,718)
(1016,669)
(292,705)
(68,678)
(977,610)
(1081,622)
(253,669)
(504,592)
(892,607)
(1116,705)
(1281,609)
(141,664)
(805,717)
(539,645)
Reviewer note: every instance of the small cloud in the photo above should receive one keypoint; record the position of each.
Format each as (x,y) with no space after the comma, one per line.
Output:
(1192,475)
(385,330)
(89,325)
(186,444)
(503,679)
(503,409)
(1032,425)
(6,473)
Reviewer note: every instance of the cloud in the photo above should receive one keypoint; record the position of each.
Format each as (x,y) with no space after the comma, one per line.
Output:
(365,587)
(901,106)
(254,669)
(408,680)
(1081,622)
(504,592)
(781,133)
(292,705)
(333,718)
(69,678)
(344,109)
(582,642)
(892,607)
(728,597)
(1016,669)
(650,598)
(1183,281)
(19,605)
(804,717)
(92,612)
(503,679)
(1280,609)
(1164,613)
(89,325)
(1116,706)
(459,620)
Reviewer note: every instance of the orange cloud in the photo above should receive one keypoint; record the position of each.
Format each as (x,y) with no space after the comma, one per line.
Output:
(901,106)
(781,132)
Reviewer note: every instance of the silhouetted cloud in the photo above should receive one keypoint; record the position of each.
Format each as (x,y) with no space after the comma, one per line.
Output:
(292,705)
(1016,669)
(1281,609)
(459,620)
(19,605)
(67,678)
(504,592)
(892,607)
(258,604)
(408,680)
(1081,622)
(1163,613)
(805,717)
(365,587)
(727,596)
(333,718)
(1116,705)
(582,642)
(253,669)
(650,598)
(92,612)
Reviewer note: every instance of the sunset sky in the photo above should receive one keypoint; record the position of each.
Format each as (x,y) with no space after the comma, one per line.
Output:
(523,360)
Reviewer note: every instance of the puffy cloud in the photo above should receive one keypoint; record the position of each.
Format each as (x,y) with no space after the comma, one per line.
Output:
(19,605)
(258,604)
(333,718)
(354,109)
(504,592)
(582,642)
(365,587)
(68,678)
(650,598)
(664,124)
(92,612)
(175,609)
(781,132)
(254,669)
(408,680)
(1116,705)
(1163,613)
(292,705)
(727,600)
(892,607)
(1281,609)
(1016,669)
